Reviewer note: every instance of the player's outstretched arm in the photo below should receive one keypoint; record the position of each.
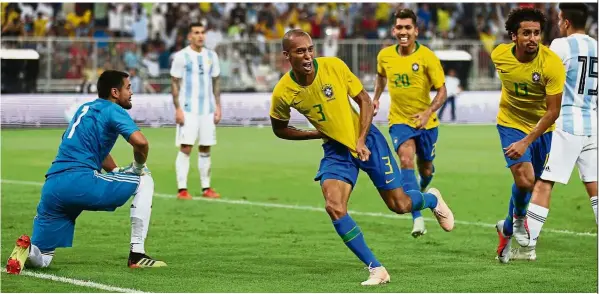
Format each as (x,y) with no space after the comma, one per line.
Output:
(109,164)
(141,147)
(283,130)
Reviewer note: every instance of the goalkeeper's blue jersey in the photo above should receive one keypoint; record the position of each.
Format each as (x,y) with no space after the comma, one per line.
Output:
(90,136)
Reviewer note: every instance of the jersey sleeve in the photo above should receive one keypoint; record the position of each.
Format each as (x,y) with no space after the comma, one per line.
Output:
(435,71)
(178,66)
(380,70)
(354,86)
(279,108)
(555,74)
(215,70)
(560,47)
(122,122)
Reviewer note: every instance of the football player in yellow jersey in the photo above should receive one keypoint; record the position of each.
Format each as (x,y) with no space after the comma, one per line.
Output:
(532,80)
(411,70)
(319,89)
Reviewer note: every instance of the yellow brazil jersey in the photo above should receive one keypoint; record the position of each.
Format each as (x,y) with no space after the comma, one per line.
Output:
(525,85)
(409,80)
(325,103)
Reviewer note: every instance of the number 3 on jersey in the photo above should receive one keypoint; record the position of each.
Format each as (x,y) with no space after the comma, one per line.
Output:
(83,112)
(319,111)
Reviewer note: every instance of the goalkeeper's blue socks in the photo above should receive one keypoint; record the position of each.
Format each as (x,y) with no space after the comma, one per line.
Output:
(353,238)
(410,183)
(425,181)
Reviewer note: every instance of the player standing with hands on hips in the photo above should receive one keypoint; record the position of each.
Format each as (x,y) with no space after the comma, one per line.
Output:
(196,95)
(74,182)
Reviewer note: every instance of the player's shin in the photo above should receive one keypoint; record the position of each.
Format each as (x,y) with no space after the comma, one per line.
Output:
(594,205)
(521,198)
(141,209)
(353,238)
(204,167)
(182,169)
(421,200)
(411,183)
(536,217)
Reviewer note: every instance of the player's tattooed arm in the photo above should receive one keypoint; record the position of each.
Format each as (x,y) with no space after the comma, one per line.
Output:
(141,147)
(439,99)
(517,149)
(175,87)
(216,91)
(379,87)
(421,118)
(109,164)
(283,130)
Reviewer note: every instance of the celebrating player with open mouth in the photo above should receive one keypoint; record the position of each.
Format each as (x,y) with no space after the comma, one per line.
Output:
(319,88)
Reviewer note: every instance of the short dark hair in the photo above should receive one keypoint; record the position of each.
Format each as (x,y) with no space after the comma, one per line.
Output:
(195,24)
(406,13)
(108,80)
(576,13)
(519,15)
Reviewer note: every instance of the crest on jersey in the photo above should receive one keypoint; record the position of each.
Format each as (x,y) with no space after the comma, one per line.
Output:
(536,77)
(415,66)
(327,90)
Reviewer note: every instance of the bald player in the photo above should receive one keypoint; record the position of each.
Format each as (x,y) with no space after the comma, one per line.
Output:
(320,89)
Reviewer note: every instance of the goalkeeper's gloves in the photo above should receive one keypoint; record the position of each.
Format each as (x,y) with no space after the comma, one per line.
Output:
(134,168)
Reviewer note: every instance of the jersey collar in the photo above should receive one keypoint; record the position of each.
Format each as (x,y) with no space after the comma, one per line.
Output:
(315,73)
(397,49)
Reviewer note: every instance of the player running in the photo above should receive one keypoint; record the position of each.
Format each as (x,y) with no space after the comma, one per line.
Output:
(74,182)
(532,80)
(196,95)
(319,88)
(574,140)
(411,70)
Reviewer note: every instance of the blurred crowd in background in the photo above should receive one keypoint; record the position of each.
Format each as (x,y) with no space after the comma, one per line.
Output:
(141,37)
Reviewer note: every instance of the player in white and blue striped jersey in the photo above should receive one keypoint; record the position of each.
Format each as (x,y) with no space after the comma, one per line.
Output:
(196,95)
(574,141)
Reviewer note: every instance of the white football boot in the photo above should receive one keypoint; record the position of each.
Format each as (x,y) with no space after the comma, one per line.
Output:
(442,212)
(524,253)
(419,229)
(378,275)
(521,232)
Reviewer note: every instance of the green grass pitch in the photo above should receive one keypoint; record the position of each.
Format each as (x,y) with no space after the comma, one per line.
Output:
(226,246)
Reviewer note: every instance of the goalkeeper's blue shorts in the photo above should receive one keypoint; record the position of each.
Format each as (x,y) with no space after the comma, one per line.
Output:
(67,194)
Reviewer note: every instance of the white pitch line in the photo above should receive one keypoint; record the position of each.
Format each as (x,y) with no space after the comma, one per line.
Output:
(319,209)
(82,283)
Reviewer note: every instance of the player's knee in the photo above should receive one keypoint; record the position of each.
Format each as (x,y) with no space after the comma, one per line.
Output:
(406,161)
(186,149)
(204,149)
(526,183)
(335,209)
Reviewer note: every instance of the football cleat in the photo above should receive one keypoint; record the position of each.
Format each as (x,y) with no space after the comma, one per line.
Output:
(523,253)
(418,229)
(442,212)
(18,257)
(378,275)
(141,260)
(184,195)
(521,232)
(503,249)
(210,193)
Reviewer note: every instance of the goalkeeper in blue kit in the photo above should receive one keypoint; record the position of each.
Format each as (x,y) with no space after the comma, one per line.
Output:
(74,182)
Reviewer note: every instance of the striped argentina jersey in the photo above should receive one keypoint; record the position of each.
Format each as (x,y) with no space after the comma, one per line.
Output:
(196,70)
(579,101)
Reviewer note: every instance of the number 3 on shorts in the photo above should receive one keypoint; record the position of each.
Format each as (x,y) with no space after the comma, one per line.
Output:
(388,164)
